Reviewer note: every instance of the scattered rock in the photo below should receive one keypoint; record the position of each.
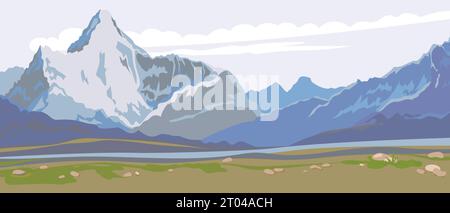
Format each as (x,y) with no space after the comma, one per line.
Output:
(43,167)
(278,170)
(381,157)
(18,172)
(170,170)
(362,165)
(227,160)
(74,174)
(61,177)
(137,173)
(439,173)
(436,170)
(432,167)
(315,167)
(326,165)
(420,171)
(438,155)
(269,171)
(127,174)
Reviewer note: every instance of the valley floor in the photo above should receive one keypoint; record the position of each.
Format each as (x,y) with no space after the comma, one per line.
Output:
(347,173)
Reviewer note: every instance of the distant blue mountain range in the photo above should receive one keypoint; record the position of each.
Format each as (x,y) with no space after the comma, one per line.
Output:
(303,89)
(419,89)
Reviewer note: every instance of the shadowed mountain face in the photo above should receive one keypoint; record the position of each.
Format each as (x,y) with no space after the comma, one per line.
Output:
(433,101)
(21,128)
(275,133)
(8,78)
(36,129)
(382,128)
(195,124)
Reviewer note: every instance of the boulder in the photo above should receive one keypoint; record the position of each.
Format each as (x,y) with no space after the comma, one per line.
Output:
(127,174)
(432,167)
(170,170)
(438,155)
(278,170)
(74,174)
(43,167)
(420,171)
(61,177)
(227,160)
(137,173)
(381,157)
(18,172)
(439,173)
(316,167)
(362,165)
(326,165)
(436,170)
(269,171)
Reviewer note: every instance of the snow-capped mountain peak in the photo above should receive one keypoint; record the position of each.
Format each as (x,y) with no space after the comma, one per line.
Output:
(100,25)
(104,79)
(97,80)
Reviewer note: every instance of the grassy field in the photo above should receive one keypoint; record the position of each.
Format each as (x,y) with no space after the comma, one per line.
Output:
(357,173)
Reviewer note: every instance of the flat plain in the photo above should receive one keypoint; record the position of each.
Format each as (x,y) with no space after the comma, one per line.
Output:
(345,173)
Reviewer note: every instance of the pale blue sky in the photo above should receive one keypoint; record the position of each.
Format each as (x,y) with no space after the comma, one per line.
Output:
(340,58)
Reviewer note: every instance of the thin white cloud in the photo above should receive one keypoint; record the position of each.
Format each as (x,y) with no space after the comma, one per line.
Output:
(243,33)
(260,48)
(268,31)
(61,43)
